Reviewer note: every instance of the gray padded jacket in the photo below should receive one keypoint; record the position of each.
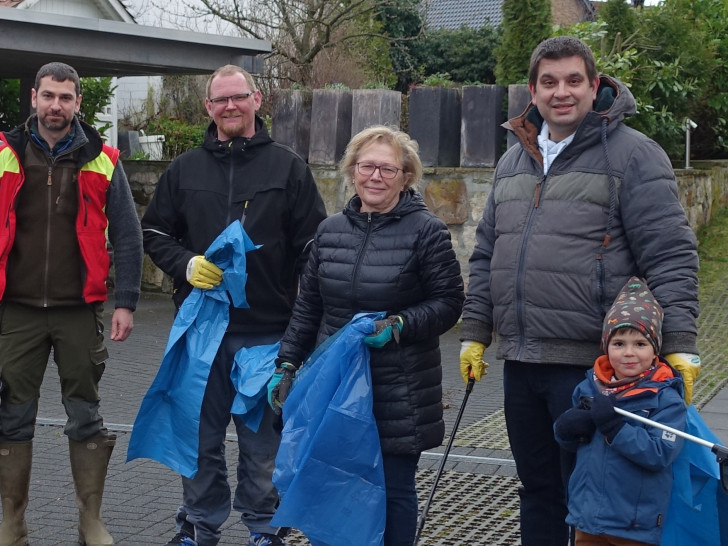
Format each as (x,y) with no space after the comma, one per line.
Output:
(552,252)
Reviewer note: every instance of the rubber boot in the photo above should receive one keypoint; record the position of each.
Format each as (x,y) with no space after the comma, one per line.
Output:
(15,463)
(89,462)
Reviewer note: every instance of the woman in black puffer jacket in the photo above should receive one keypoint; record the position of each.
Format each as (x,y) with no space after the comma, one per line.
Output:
(386,252)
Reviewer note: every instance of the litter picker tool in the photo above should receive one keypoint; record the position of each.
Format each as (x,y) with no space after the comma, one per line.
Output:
(426,508)
(721,452)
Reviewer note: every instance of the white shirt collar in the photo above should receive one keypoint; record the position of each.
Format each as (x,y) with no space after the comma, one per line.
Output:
(550,149)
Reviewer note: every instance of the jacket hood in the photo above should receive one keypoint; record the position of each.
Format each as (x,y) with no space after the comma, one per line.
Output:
(614,103)
(410,200)
(662,375)
(212,144)
(85,137)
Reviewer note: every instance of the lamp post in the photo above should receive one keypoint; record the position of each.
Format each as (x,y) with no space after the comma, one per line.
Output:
(690,125)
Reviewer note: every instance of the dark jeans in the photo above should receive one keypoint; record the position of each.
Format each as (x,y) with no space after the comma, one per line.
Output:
(399,480)
(535,395)
(206,497)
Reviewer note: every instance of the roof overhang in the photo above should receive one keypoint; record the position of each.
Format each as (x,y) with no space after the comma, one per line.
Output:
(97,47)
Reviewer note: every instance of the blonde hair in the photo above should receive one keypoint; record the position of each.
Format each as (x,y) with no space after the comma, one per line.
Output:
(404,147)
(229,70)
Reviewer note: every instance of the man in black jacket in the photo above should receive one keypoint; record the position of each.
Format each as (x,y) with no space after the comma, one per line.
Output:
(239,174)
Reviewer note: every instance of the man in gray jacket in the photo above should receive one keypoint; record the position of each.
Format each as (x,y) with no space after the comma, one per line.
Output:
(581,204)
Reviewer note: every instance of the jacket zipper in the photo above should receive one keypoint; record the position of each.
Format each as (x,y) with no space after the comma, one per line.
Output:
(521,267)
(231,185)
(231,175)
(49,203)
(357,263)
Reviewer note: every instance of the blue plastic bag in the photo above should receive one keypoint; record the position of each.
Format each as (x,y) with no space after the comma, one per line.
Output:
(252,369)
(698,511)
(168,423)
(329,469)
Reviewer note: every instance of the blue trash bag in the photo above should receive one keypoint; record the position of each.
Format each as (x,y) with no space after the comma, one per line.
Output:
(167,427)
(252,369)
(698,511)
(329,469)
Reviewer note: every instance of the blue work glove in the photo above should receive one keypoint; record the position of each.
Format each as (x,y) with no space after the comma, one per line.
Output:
(575,424)
(605,418)
(384,331)
(280,384)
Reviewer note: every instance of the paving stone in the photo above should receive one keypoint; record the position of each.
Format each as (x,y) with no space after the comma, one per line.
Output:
(476,502)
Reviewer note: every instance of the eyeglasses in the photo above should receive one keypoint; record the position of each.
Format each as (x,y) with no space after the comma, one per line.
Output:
(238,99)
(387,171)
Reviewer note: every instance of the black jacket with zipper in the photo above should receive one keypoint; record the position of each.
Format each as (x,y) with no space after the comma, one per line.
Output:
(401,262)
(256,180)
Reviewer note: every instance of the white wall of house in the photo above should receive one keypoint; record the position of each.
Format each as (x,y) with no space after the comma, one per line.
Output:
(133,91)
(112,10)
(77,8)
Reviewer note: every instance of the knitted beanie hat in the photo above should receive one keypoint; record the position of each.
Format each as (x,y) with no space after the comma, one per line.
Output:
(635,307)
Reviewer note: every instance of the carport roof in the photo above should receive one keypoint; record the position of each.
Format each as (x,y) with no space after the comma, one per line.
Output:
(97,47)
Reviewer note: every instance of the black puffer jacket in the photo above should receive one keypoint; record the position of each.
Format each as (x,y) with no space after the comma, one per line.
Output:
(401,262)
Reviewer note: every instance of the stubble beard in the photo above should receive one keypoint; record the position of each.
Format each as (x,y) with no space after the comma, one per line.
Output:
(236,130)
(58,126)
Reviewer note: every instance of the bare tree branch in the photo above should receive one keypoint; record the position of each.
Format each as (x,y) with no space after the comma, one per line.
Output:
(299,30)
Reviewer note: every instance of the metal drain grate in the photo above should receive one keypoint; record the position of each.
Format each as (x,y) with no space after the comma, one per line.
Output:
(490,433)
(471,509)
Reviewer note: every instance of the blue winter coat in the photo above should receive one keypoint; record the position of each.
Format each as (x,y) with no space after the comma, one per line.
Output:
(623,489)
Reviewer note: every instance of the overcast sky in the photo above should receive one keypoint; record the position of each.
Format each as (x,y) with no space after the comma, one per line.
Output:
(147,13)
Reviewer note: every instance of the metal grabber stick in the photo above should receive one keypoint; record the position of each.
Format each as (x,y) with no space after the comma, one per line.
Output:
(426,508)
(721,452)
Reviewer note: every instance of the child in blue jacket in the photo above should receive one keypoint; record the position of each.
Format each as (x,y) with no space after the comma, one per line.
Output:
(621,483)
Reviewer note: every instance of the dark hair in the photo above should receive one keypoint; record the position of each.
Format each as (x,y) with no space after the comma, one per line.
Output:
(561,47)
(59,72)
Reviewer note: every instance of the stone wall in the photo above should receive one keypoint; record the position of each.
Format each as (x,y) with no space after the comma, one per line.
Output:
(455,194)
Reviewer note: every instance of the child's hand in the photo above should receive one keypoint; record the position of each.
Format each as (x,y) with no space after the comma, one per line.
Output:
(575,424)
(605,418)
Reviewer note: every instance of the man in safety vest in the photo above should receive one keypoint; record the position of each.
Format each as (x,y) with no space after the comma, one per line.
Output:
(60,188)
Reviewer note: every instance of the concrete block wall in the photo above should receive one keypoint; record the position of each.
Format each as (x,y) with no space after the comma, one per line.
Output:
(453,127)
(457,195)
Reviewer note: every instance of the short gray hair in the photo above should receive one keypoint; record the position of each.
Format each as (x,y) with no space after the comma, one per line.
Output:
(404,147)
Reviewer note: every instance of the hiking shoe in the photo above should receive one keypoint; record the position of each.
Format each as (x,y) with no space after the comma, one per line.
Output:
(185,537)
(264,539)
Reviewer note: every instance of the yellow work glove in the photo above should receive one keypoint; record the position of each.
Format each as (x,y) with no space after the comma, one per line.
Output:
(203,274)
(471,359)
(689,366)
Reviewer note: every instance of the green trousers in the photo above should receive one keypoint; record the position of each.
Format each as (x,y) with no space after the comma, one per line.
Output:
(27,335)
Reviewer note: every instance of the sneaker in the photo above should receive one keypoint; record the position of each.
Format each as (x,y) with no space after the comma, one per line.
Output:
(185,537)
(264,539)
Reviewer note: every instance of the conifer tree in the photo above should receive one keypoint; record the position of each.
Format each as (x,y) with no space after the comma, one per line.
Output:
(525,24)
